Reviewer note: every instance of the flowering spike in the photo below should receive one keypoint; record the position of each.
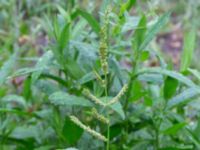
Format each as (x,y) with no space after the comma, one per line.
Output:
(99,116)
(99,79)
(119,95)
(87,93)
(88,129)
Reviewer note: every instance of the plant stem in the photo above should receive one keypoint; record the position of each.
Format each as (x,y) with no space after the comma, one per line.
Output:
(108,137)
(157,145)
(108,127)
(134,69)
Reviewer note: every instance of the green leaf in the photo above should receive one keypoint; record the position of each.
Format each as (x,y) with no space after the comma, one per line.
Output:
(71,131)
(89,18)
(117,107)
(42,64)
(144,55)
(17,100)
(183,97)
(155,29)
(74,69)
(87,78)
(27,92)
(170,86)
(24,71)
(174,128)
(19,113)
(126,7)
(7,67)
(24,132)
(173,74)
(64,99)
(188,48)
(195,72)
(197,129)
(137,91)
(139,34)
(64,37)
(193,138)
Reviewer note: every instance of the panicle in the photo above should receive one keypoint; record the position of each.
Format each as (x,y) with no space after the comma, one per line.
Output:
(99,116)
(119,95)
(93,98)
(88,129)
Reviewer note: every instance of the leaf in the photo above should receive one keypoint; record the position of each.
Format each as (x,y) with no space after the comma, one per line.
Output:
(183,97)
(64,99)
(71,148)
(74,69)
(64,37)
(197,129)
(27,92)
(169,73)
(87,78)
(170,86)
(193,138)
(42,64)
(144,55)
(155,29)
(188,48)
(7,68)
(174,128)
(195,72)
(137,91)
(117,107)
(126,7)
(19,113)
(71,131)
(139,34)
(19,100)
(115,130)
(89,18)
(24,132)
(24,71)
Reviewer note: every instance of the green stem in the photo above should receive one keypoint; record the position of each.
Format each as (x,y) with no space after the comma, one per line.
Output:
(133,71)
(157,145)
(108,137)
(108,127)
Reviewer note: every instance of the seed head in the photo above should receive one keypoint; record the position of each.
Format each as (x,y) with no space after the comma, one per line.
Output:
(119,95)
(87,129)
(99,116)
(93,98)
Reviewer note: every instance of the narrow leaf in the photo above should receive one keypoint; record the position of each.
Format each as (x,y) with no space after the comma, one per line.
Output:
(7,67)
(174,129)
(183,97)
(89,18)
(181,78)
(188,48)
(139,34)
(155,29)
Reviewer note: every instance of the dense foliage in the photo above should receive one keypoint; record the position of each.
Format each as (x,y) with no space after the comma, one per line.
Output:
(89,75)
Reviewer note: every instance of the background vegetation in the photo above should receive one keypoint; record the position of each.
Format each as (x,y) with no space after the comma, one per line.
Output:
(80,74)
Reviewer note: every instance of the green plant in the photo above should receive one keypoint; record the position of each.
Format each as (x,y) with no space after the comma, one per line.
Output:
(92,81)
